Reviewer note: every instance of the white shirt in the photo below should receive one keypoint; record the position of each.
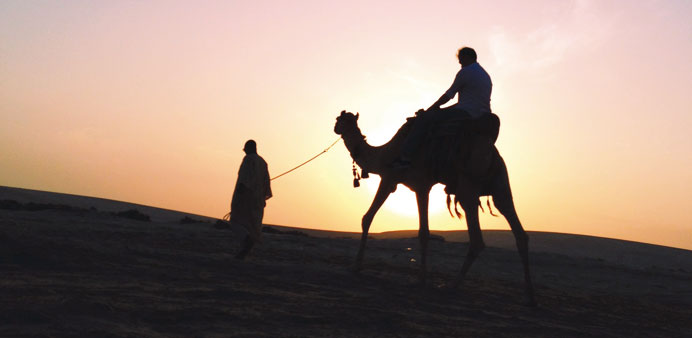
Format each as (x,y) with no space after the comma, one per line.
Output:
(474,87)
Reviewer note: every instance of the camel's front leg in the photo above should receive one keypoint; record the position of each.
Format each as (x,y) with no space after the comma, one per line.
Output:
(383,192)
(422,197)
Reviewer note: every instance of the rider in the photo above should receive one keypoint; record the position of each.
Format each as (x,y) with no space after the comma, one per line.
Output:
(473,86)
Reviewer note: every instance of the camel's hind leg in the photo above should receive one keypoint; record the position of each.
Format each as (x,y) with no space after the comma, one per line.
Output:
(502,197)
(469,202)
(383,192)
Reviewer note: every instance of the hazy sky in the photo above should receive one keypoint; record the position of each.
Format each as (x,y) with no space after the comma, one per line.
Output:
(151,102)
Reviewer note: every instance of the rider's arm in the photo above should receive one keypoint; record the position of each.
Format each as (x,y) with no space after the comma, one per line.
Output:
(442,100)
(450,93)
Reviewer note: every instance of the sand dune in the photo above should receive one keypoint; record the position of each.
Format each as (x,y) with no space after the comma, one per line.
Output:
(83,271)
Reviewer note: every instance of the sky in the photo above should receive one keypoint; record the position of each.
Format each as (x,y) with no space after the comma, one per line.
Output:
(151,103)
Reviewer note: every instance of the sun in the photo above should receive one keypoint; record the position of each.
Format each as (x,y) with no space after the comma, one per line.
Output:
(403,201)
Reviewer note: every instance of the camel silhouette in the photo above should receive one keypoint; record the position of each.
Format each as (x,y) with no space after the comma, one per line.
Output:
(420,178)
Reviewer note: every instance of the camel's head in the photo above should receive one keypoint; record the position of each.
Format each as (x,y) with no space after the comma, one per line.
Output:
(345,122)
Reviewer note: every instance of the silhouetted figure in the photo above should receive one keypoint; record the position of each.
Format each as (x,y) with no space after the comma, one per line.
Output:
(473,86)
(252,189)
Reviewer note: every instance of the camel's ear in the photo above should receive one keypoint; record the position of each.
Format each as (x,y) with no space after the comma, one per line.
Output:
(357,116)
(343,112)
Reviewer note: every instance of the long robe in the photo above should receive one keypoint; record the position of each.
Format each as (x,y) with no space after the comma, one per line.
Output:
(247,205)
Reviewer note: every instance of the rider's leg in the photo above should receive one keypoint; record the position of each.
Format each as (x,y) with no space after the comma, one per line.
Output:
(482,135)
(415,137)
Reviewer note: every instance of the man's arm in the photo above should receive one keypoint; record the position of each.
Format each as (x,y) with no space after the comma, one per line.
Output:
(442,100)
(267,183)
(268,192)
(449,94)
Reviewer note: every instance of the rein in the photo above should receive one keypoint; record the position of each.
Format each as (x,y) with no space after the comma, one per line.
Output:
(306,162)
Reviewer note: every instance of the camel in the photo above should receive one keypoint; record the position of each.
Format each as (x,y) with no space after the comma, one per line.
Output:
(418,178)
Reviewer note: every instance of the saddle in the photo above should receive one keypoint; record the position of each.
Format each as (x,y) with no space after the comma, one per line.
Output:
(450,143)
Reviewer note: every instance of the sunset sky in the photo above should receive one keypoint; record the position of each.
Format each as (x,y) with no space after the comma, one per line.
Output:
(151,102)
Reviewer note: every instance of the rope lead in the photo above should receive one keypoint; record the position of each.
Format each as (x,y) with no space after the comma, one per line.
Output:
(306,162)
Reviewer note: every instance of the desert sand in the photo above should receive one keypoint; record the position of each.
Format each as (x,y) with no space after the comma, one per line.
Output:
(71,266)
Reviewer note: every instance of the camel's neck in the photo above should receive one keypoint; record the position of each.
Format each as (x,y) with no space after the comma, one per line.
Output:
(366,156)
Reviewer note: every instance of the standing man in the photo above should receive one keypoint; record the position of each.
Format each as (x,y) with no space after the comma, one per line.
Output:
(473,87)
(252,189)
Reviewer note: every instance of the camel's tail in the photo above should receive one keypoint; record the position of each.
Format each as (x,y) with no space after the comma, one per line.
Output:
(490,208)
(457,204)
(449,205)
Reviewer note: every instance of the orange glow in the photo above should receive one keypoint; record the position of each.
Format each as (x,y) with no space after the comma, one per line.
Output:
(152,103)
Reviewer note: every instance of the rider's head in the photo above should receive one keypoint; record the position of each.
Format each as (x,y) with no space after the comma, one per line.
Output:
(250,147)
(466,56)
